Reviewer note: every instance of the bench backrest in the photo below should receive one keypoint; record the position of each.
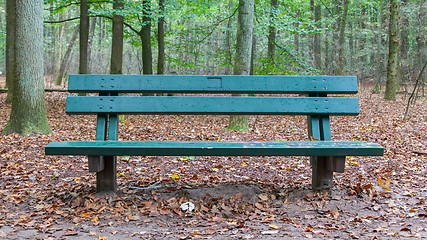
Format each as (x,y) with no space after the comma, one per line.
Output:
(316,104)
(212,84)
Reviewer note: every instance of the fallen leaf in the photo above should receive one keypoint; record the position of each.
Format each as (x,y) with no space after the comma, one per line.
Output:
(263,196)
(95,219)
(175,176)
(270,232)
(273,226)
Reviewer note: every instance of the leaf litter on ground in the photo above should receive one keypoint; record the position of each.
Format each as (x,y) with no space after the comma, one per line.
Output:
(54,197)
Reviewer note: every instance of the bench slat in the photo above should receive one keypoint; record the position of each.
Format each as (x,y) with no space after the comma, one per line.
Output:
(216,84)
(212,105)
(215,148)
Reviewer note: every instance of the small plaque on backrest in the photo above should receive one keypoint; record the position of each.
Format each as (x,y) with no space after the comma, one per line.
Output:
(214,82)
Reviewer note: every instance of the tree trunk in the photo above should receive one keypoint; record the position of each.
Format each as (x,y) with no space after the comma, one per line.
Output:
(296,36)
(66,59)
(10,47)
(272,32)
(340,64)
(58,80)
(84,37)
(229,54)
(253,54)
(310,38)
(379,63)
(351,44)
(52,44)
(28,113)
(90,44)
(421,38)
(328,58)
(316,45)
(161,39)
(404,49)
(393,51)
(243,54)
(116,61)
(147,58)
(362,43)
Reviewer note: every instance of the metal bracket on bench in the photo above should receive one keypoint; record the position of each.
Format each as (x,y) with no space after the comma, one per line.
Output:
(333,164)
(336,164)
(96,163)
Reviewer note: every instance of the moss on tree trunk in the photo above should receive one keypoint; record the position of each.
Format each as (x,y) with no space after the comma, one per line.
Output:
(28,113)
(242,63)
(393,52)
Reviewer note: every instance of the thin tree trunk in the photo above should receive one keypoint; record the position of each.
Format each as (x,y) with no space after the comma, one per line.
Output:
(351,43)
(58,80)
(379,62)
(362,43)
(253,54)
(272,32)
(228,41)
(393,51)
(52,45)
(64,63)
(316,45)
(243,54)
(147,58)
(296,36)
(84,37)
(328,60)
(90,44)
(340,64)
(421,38)
(10,48)
(116,61)
(161,39)
(404,49)
(28,114)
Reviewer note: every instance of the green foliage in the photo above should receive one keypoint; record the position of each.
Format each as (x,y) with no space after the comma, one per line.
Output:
(197,33)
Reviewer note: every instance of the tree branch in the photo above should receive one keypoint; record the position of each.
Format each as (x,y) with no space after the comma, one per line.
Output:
(413,97)
(124,23)
(61,21)
(215,26)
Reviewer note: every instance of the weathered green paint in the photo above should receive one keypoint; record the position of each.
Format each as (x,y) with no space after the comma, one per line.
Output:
(236,84)
(326,128)
(212,148)
(313,123)
(101,127)
(326,156)
(113,127)
(211,105)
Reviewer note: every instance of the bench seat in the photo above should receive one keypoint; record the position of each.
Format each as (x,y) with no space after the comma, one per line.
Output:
(215,148)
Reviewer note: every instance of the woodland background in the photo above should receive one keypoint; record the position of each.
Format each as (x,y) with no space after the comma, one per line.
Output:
(53,197)
(339,37)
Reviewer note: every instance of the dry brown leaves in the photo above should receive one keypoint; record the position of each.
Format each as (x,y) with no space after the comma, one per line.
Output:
(248,197)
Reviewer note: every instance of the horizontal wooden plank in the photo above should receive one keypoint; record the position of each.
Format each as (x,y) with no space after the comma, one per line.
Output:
(214,148)
(215,84)
(212,105)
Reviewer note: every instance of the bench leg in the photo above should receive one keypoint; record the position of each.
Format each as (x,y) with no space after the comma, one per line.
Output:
(322,175)
(106,180)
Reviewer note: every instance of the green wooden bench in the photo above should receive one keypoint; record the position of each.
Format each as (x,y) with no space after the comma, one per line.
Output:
(326,156)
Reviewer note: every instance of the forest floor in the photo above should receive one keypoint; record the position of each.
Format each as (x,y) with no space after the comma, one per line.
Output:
(53,197)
